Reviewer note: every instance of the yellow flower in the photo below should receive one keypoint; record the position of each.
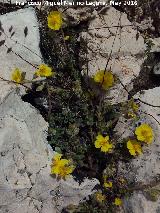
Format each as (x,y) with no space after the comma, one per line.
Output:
(134,147)
(118,201)
(65,171)
(108,184)
(55,20)
(103,143)
(57,163)
(44,71)
(100,197)
(105,78)
(144,133)
(17,76)
(61,167)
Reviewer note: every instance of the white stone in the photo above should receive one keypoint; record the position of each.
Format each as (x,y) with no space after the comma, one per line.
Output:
(127,52)
(25,158)
(143,169)
(75,16)
(17,2)
(27,47)
(137,203)
(156,45)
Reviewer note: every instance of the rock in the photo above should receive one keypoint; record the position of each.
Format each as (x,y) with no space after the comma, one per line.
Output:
(24,53)
(156,45)
(137,203)
(25,158)
(146,16)
(144,169)
(75,16)
(104,38)
(17,2)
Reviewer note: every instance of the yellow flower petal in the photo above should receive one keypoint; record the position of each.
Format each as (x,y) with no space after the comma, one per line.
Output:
(57,156)
(134,147)
(103,143)
(108,184)
(55,20)
(144,133)
(105,78)
(61,167)
(100,197)
(106,148)
(97,144)
(17,76)
(44,71)
(118,202)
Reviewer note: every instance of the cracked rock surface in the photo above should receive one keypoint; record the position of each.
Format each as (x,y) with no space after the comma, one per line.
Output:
(25,158)
(23,46)
(144,169)
(104,38)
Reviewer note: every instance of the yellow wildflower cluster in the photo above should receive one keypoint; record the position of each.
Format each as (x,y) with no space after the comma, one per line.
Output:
(144,133)
(55,20)
(43,71)
(103,143)
(61,167)
(104,78)
(102,198)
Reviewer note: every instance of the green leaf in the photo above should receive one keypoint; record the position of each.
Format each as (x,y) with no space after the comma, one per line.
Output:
(57,149)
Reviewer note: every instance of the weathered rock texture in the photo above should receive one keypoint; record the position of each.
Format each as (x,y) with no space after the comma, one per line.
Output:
(137,203)
(25,158)
(22,36)
(104,40)
(144,169)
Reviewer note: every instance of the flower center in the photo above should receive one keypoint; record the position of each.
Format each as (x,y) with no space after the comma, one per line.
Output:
(103,142)
(145,133)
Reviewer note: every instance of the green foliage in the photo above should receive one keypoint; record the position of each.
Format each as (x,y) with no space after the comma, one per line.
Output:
(149,44)
(76,119)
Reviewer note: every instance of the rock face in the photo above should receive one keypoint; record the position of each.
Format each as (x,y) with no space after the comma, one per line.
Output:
(104,38)
(22,36)
(25,158)
(147,15)
(144,169)
(75,16)
(137,203)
